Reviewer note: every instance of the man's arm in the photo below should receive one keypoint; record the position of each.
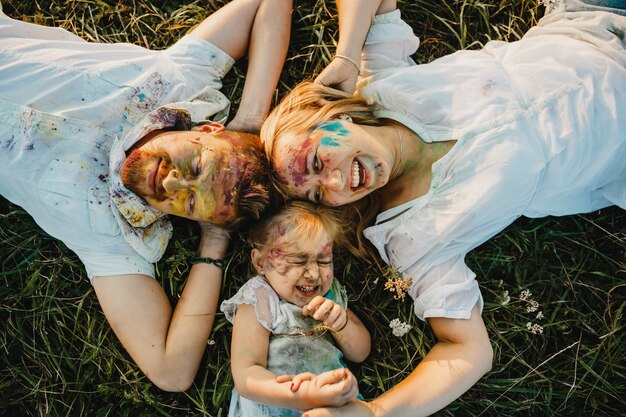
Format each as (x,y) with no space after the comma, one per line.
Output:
(261,29)
(167,345)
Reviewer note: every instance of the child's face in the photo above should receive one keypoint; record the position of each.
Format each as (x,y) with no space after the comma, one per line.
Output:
(298,271)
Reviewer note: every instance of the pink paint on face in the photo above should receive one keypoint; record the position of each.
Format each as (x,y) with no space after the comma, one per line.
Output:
(299,271)
(335,164)
(299,170)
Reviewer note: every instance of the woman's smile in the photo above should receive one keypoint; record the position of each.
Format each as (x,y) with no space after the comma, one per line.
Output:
(335,164)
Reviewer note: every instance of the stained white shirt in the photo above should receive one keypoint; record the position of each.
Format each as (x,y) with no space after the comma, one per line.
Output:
(540,130)
(64,102)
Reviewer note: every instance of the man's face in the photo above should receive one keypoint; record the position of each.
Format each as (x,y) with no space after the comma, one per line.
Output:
(193,174)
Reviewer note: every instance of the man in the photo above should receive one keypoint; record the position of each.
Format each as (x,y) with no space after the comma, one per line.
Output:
(99,141)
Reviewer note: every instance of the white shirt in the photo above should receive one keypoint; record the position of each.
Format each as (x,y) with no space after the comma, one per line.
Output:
(540,130)
(64,102)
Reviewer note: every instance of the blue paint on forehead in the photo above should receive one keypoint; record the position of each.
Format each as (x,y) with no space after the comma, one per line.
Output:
(334,126)
(329,141)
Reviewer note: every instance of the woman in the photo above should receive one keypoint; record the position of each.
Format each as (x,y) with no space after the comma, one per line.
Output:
(433,160)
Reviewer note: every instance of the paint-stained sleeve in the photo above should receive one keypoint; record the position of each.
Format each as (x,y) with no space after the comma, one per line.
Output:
(200,63)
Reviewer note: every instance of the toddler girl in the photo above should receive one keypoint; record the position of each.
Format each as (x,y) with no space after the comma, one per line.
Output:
(291,320)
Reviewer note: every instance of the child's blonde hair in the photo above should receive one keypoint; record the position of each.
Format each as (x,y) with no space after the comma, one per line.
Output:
(296,220)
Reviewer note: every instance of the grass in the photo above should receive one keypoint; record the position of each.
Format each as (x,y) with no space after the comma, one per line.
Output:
(58,356)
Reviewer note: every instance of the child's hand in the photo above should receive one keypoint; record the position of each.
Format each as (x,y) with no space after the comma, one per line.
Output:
(329,389)
(326,311)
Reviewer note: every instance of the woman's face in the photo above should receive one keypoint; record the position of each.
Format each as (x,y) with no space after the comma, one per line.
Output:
(192,174)
(337,163)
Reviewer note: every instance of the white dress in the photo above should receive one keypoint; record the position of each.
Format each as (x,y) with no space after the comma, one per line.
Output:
(540,127)
(293,347)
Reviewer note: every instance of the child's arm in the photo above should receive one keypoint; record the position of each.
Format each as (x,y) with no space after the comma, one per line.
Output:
(249,350)
(351,337)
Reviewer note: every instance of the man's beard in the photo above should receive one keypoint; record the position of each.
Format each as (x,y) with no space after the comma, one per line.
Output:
(135,173)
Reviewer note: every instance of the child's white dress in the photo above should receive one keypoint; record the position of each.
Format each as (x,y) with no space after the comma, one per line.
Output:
(293,348)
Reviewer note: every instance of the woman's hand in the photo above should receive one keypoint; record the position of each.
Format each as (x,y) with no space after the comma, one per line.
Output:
(329,389)
(354,408)
(326,311)
(340,74)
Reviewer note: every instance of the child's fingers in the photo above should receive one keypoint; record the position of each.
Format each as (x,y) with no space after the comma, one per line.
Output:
(324,310)
(297,380)
(284,378)
(350,387)
(334,317)
(332,377)
(313,305)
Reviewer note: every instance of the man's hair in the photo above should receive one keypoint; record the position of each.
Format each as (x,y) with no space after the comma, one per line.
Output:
(306,107)
(252,193)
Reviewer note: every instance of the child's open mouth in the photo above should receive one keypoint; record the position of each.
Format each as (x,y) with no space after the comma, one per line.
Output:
(308,290)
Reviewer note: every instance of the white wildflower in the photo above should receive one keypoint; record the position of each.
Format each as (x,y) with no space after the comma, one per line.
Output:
(399,328)
(525,295)
(534,328)
(505,298)
(539,315)
(532,306)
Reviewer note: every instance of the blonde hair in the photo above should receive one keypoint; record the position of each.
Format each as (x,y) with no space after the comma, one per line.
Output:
(301,111)
(296,220)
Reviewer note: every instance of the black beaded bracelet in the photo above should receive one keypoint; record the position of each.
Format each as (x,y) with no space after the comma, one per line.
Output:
(217,262)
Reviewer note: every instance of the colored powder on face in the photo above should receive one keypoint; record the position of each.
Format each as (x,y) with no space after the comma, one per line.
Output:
(335,127)
(327,250)
(328,141)
(298,170)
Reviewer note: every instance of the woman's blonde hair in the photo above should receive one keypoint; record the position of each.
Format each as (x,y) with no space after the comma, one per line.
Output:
(294,221)
(300,112)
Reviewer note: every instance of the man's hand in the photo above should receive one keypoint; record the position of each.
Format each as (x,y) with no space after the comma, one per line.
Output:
(340,74)
(326,311)
(250,125)
(329,389)
(214,240)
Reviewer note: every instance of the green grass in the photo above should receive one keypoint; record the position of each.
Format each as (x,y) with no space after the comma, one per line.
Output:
(58,356)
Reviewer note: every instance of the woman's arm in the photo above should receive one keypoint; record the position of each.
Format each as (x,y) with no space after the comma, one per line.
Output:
(249,350)
(355,18)
(167,345)
(461,356)
(261,29)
